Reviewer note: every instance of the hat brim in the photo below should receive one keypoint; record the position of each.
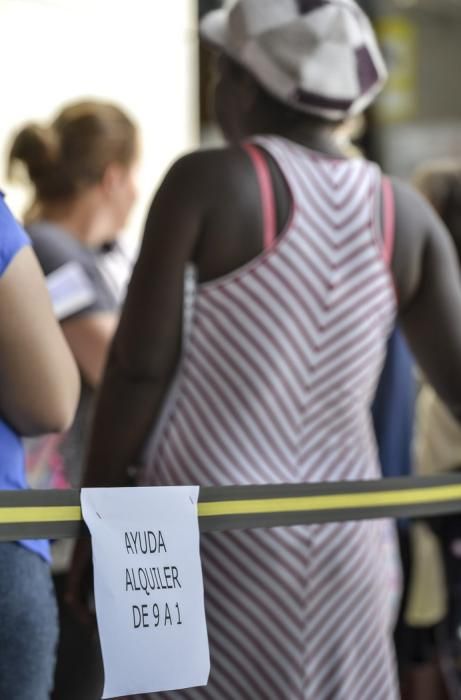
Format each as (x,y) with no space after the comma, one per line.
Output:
(214,28)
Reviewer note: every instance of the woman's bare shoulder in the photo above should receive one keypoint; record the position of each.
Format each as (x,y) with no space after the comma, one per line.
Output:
(215,166)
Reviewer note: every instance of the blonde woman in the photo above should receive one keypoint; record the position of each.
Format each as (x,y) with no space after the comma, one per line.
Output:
(82,169)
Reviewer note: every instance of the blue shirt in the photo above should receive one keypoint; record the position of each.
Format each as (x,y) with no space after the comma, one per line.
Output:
(393,408)
(12,461)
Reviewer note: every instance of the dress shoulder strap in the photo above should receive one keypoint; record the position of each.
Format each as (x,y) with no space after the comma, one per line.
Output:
(266,192)
(388,219)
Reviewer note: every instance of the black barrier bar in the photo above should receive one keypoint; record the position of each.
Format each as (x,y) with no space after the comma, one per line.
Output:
(56,514)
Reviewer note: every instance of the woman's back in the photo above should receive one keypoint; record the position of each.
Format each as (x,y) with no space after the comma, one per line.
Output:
(283,354)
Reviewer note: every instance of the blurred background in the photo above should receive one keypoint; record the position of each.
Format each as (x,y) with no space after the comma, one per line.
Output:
(145,55)
(141,54)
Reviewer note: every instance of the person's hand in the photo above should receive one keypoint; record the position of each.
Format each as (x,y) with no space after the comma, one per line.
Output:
(80,582)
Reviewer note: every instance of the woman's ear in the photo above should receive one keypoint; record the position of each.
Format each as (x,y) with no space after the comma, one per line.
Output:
(112,179)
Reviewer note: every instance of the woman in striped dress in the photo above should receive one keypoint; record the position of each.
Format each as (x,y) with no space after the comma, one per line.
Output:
(261,368)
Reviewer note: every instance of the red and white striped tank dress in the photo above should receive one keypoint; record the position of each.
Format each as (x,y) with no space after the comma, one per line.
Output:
(279,369)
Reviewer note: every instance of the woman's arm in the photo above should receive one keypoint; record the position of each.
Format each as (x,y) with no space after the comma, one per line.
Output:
(89,338)
(145,349)
(146,346)
(428,282)
(39,381)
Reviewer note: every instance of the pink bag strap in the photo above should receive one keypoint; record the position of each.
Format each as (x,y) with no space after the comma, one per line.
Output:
(267,194)
(388,219)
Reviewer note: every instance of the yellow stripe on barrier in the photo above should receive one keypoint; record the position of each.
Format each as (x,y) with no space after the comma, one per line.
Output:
(337,502)
(437,494)
(40,514)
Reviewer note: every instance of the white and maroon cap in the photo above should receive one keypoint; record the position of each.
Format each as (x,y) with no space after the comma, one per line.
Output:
(319,56)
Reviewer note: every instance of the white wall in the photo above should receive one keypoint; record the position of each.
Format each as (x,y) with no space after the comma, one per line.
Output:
(140,53)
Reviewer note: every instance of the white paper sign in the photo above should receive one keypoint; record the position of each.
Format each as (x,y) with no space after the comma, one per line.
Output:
(148,588)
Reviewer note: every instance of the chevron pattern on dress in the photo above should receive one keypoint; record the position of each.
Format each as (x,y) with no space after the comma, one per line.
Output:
(280,369)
